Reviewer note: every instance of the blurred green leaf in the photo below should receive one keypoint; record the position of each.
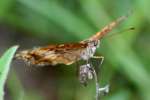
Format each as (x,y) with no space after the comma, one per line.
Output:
(5,62)
(5,6)
(143,6)
(119,95)
(65,18)
(95,12)
(13,84)
(130,65)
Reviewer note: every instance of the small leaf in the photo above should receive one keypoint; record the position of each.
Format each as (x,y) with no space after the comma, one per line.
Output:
(5,61)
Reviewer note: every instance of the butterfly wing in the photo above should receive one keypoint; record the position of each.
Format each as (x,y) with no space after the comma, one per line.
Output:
(52,54)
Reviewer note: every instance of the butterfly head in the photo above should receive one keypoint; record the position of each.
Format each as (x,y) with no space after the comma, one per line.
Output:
(90,50)
(92,46)
(93,43)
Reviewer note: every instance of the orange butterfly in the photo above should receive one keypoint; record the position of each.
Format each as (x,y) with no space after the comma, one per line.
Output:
(66,53)
(70,53)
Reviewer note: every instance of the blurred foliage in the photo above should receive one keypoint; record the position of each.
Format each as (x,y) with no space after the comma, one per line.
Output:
(126,67)
(5,62)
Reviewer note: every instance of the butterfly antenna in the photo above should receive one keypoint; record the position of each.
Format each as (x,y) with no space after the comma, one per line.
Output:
(121,32)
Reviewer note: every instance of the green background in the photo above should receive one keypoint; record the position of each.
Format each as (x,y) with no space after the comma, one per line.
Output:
(34,23)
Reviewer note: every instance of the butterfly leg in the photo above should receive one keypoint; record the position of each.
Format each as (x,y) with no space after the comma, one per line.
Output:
(99,90)
(101,58)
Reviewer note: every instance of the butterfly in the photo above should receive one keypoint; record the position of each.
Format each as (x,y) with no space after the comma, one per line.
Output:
(70,53)
(66,53)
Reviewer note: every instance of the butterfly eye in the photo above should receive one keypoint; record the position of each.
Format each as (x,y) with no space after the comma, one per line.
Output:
(95,43)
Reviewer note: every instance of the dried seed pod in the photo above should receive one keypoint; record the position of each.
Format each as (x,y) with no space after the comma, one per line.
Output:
(85,74)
